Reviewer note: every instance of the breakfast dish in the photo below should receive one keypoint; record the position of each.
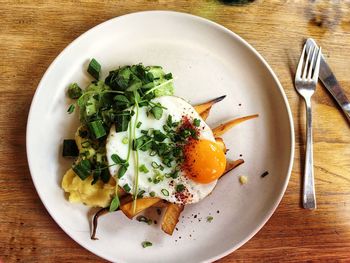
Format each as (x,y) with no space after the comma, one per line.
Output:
(140,146)
(207,61)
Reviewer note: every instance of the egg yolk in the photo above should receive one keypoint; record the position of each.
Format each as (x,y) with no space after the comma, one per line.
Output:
(204,161)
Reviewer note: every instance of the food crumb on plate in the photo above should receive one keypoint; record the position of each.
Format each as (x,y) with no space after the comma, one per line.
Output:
(146,244)
(209,219)
(243,179)
(264,174)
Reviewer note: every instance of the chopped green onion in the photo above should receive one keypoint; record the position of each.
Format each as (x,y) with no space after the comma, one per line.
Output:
(149,180)
(138,125)
(143,169)
(152,194)
(180,188)
(125,140)
(144,219)
(88,153)
(70,148)
(165,192)
(85,144)
(127,188)
(140,194)
(209,219)
(158,177)
(121,100)
(82,169)
(154,165)
(114,204)
(90,107)
(122,120)
(153,153)
(97,129)
(74,91)
(146,244)
(71,109)
(175,174)
(94,69)
(159,136)
(196,122)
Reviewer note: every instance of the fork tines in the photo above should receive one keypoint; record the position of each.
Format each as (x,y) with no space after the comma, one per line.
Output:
(309,65)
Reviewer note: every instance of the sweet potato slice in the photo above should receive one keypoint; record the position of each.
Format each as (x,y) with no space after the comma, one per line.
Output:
(220,142)
(223,128)
(171,217)
(205,114)
(161,204)
(141,205)
(200,108)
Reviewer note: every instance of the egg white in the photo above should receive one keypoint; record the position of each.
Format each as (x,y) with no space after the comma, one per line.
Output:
(177,108)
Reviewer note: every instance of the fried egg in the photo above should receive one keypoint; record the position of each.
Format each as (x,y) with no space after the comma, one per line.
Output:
(202,164)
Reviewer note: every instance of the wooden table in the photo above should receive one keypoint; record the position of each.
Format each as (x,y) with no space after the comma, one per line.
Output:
(33,33)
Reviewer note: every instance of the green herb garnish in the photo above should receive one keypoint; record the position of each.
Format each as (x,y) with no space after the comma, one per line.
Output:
(82,169)
(143,169)
(127,188)
(209,219)
(114,101)
(114,204)
(94,69)
(165,192)
(97,129)
(144,219)
(157,111)
(141,193)
(125,140)
(71,109)
(158,177)
(74,91)
(197,122)
(179,188)
(146,244)
(154,165)
(122,169)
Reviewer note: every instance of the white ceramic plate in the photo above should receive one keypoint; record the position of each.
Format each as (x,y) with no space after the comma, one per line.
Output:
(207,60)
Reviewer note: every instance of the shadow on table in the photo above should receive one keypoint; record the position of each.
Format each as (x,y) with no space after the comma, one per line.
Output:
(300,125)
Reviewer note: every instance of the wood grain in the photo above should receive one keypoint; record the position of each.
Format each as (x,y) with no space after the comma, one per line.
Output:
(32,34)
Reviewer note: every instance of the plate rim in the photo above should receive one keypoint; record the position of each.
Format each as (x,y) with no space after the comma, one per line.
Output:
(201,20)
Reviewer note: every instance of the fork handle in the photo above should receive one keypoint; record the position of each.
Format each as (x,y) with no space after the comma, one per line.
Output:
(309,198)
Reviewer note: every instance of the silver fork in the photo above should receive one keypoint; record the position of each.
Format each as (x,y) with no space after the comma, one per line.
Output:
(306,78)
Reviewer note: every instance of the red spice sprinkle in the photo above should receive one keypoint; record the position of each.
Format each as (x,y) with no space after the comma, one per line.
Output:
(184,196)
(187,124)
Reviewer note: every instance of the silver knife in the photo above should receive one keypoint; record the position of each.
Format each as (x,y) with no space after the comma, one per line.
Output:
(330,82)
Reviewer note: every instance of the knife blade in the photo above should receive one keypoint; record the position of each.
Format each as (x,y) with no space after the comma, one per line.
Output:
(330,82)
